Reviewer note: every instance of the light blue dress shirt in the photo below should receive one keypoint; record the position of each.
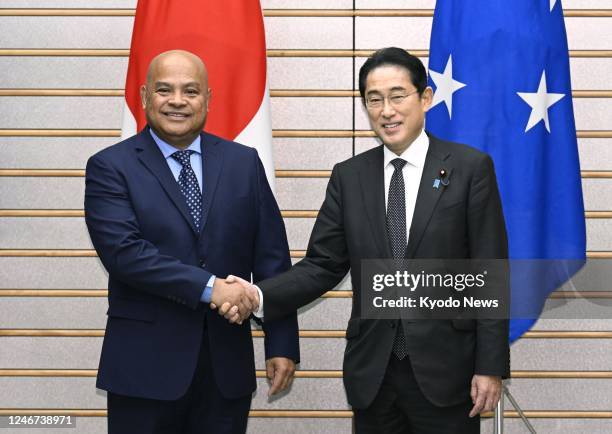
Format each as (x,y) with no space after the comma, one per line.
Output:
(175,167)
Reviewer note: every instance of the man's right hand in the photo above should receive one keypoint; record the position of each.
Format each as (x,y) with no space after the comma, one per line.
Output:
(230,311)
(241,299)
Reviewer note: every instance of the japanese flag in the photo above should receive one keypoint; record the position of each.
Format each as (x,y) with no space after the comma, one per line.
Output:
(229,37)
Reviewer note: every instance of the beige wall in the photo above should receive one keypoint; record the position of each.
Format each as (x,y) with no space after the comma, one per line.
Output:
(42,317)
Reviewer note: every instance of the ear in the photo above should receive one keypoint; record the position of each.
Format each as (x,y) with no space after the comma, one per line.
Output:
(143,96)
(427,98)
(208,96)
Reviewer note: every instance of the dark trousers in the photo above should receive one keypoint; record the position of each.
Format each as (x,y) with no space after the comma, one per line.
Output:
(401,408)
(202,410)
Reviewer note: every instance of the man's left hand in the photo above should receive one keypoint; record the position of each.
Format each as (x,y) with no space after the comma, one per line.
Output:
(485,393)
(279,371)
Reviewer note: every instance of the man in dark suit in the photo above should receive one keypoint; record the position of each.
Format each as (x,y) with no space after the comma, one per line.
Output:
(409,376)
(170,212)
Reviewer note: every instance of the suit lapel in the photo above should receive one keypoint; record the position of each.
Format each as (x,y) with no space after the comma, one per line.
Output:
(428,195)
(372,180)
(212,163)
(150,155)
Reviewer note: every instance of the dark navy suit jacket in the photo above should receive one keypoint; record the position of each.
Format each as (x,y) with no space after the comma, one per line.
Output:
(158,265)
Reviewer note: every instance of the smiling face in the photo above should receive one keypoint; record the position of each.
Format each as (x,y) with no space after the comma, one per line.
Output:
(175,98)
(397,125)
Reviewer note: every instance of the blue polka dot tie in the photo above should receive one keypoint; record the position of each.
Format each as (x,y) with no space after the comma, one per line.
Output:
(396,230)
(189,186)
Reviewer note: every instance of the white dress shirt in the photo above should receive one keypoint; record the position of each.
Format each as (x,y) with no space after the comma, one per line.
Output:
(415,157)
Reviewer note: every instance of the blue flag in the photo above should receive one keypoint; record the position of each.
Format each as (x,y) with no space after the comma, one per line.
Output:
(500,74)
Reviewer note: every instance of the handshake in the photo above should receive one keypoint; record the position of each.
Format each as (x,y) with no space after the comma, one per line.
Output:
(235,298)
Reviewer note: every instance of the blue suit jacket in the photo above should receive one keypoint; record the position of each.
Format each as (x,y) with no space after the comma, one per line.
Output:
(158,265)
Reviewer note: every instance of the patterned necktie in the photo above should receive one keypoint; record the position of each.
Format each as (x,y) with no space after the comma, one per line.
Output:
(396,230)
(189,186)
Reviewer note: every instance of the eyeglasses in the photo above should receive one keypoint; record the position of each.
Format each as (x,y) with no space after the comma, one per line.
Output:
(376,102)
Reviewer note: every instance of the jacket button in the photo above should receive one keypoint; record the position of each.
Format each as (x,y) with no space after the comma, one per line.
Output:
(202,264)
(392,324)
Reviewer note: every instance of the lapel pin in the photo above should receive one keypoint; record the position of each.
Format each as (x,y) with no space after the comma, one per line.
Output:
(444,177)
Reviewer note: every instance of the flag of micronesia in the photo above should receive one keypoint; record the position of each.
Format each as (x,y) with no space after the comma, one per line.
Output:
(500,72)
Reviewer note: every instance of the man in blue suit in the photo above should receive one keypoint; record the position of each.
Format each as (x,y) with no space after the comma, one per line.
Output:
(170,212)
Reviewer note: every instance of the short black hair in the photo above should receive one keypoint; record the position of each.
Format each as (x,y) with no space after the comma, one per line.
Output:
(396,57)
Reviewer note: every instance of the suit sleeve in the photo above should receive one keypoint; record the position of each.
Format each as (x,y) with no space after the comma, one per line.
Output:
(114,231)
(488,240)
(325,264)
(271,257)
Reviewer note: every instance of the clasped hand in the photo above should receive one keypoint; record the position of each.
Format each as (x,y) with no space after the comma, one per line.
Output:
(235,297)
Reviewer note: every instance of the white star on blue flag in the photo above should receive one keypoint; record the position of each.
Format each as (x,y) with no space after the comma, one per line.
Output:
(516,106)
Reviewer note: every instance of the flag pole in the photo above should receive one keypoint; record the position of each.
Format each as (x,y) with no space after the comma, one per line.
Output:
(499,412)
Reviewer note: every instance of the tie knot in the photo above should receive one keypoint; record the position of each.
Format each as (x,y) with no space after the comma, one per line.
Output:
(398,163)
(183,157)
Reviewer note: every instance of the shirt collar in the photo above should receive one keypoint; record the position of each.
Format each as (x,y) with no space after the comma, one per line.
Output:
(167,149)
(414,154)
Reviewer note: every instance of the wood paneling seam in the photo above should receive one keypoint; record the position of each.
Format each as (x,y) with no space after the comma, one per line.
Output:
(110,52)
(302,13)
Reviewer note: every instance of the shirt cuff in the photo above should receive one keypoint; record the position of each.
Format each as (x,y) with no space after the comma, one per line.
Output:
(260,312)
(207,293)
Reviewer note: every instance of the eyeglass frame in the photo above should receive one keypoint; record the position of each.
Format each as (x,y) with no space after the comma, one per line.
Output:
(388,99)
